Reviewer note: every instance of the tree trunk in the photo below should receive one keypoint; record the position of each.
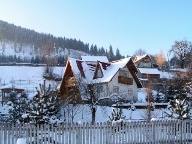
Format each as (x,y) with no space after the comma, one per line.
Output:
(182,64)
(93,115)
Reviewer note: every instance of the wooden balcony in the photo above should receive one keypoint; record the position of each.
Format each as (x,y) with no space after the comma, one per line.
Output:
(70,81)
(125,80)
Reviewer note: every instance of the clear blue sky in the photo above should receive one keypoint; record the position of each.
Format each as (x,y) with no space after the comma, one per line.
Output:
(151,25)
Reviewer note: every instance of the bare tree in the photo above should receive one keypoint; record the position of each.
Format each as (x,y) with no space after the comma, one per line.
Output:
(180,50)
(47,52)
(91,93)
(160,58)
(139,52)
(73,110)
(148,112)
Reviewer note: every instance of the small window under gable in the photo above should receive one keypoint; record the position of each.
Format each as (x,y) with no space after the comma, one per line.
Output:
(124,73)
(98,72)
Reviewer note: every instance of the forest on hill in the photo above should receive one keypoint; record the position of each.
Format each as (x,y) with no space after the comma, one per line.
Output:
(45,44)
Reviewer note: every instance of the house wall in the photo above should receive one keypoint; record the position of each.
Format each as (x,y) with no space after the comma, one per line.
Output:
(129,90)
(143,64)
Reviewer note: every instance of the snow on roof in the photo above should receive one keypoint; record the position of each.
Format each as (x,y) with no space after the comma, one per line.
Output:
(149,70)
(87,70)
(11,86)
(140,57)
(95,58)
(162,74)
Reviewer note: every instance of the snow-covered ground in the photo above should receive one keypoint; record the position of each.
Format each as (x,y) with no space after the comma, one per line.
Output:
(30,77)
(26,77)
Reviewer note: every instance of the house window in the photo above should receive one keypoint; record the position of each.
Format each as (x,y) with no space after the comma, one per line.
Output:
(115,89)
(130,91)
(146,60)
(100,89)
(123,73)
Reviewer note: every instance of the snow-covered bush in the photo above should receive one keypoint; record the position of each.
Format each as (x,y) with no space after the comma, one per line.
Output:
(178,109)
(44,107)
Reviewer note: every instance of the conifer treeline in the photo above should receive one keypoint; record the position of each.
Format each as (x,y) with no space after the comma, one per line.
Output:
(26,37)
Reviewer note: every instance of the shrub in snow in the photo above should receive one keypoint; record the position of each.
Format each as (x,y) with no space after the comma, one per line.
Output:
(19,104)
(116,115)
(177,94)
(178,109)
(44,107)
(133,107)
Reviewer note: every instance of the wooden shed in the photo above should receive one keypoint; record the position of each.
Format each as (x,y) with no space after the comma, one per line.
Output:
(7,89)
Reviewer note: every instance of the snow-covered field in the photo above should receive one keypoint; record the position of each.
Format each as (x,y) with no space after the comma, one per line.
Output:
(26,77)
(34,76)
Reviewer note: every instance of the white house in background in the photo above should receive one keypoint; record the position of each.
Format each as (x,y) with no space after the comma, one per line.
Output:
(113,77)
(143,61)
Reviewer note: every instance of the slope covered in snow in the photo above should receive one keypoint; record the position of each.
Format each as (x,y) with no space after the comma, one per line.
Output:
(28,51)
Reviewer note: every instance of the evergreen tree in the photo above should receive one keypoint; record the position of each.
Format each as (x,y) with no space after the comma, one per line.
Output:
(177,95)
(102,51)
(91,50)
(179,109)
(44,107)
(110,54)
(118,56)
(12,97)
(19,105)
(95,52)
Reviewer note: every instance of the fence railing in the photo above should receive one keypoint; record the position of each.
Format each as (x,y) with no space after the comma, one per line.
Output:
(153,132)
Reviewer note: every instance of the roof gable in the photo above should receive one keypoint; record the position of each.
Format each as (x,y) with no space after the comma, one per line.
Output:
(138,58)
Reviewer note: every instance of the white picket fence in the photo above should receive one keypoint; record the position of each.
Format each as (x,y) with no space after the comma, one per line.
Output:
(154,132)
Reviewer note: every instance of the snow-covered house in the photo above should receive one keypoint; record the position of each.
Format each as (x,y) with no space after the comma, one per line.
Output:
(146,71)
(143,61)
(146,74)
(113,77)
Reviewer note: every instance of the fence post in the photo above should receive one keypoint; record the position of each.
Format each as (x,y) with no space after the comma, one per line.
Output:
(153,131)
(78,139)
(181,130)
(1,126)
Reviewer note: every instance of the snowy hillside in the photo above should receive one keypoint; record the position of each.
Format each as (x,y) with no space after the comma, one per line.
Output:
(27,52)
